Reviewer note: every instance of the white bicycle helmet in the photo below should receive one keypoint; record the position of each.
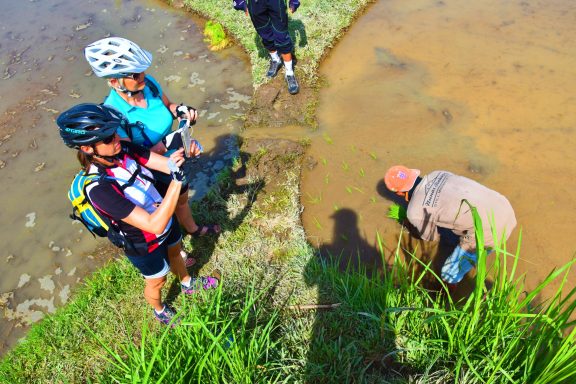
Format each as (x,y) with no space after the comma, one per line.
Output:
(115,57)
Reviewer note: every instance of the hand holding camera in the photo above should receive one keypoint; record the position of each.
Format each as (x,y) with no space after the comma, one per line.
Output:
(185,112)
(175,165)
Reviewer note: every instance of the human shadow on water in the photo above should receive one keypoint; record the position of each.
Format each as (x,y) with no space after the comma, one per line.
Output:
(347,345)
(348,245)
(354,337)
(212,208)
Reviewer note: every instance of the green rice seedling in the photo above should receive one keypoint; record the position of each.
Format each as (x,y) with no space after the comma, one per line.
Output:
(327,138)
(305,141)
(362,173)
(336,207)
(345,166)
(358,189)
(327,178)
(349,189)
(373,156)
(314,199)
(317,223)
(324,161)
(396,212)
(373,200)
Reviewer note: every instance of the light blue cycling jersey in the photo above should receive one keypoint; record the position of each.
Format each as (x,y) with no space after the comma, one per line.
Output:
(156,119)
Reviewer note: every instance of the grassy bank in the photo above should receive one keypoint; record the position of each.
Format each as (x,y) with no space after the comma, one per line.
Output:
(261,325)
(314,28)
(264,324)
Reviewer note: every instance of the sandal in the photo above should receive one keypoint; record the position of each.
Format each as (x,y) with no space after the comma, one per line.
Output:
(188,260)
(205,230)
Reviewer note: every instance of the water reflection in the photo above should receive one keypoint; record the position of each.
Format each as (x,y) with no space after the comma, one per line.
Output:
(483,89)
(42,72)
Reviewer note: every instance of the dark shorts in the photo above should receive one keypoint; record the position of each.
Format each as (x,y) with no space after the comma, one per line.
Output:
(270,20)
(156,264)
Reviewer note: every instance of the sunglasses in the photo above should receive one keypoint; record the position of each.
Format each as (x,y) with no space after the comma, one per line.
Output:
(109,139)
(134,76)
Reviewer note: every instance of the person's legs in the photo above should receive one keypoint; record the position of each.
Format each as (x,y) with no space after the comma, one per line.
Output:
(154,268)
(173,245)
(177,265)
(261,21)
(153,292)
(189,285)
(184,214)
(271,22)
(283,41)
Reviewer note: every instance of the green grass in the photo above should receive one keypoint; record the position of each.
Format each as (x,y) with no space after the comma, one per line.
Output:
(388,327)
(220,337)
(314,29)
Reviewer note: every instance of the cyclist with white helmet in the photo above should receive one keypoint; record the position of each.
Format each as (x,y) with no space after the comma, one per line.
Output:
(125,194)
(139,97)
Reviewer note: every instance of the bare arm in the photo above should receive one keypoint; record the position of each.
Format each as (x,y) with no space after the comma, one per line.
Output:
(171,106)
(158,220)
(160,163)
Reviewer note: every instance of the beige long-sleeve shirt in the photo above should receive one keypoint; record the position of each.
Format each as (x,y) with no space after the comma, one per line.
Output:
(437,202)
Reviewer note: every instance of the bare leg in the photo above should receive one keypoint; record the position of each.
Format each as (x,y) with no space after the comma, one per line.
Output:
(184,214)
(177,265)
(286,56)
(153,292)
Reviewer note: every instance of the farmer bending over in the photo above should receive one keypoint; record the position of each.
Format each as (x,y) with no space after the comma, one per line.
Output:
(436,201)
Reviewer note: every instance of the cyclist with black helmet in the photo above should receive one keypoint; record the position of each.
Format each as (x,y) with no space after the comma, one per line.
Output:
(125,193)
(139,97)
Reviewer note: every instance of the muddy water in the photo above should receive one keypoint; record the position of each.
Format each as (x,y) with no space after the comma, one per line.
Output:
(484,89)
(42,72)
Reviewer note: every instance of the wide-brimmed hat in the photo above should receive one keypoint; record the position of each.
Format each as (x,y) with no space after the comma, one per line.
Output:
(400,178)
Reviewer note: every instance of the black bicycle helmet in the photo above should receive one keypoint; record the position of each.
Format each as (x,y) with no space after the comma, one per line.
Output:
(88,123)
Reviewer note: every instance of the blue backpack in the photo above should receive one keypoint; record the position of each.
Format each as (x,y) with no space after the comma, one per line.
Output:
(82,209)
(98,224)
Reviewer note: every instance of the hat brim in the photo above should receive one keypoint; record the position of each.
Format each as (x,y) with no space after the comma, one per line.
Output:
(414,173)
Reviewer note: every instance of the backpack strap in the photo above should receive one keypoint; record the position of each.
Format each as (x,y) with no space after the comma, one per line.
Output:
(130,182)
(153,88)
(142,128)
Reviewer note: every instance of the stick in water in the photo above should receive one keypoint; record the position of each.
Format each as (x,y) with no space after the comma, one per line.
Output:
(313,306)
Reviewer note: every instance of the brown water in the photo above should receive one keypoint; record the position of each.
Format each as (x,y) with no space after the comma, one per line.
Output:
(484,89)
(43,72)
